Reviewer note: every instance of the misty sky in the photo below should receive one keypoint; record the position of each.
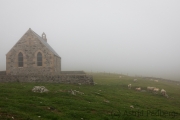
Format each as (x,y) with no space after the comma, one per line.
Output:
(134,37)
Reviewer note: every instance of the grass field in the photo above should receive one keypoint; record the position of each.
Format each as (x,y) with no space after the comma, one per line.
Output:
(109,99)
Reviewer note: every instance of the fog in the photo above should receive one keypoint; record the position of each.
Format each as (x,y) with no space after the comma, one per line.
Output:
(134,37)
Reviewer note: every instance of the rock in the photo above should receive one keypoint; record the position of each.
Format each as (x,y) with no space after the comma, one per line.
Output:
(107,101)
(131,106)
(74,92)
(39,89)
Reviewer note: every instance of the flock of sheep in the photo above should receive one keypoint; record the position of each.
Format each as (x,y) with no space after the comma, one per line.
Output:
(151,89)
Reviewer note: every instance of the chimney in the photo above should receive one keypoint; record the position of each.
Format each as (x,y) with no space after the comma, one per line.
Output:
(44,37)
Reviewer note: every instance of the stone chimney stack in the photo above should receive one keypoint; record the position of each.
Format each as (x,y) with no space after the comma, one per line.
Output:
(44,37)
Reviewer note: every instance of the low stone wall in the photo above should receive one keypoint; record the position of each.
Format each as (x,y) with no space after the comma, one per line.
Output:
(70,79)
(2,72)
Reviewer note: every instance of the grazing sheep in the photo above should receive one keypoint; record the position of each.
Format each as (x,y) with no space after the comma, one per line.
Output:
(120,76)
(150,88)
(163,92)
(138,89)
(156,81)
(156,90)
(135,80)
(129,86)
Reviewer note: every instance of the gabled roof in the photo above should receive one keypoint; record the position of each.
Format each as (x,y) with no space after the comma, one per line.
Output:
(45,43)
(42,41)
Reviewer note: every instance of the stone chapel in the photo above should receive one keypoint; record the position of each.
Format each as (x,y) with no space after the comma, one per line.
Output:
(32,55)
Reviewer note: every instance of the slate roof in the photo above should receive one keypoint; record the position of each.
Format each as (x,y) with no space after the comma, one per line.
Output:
(45,43)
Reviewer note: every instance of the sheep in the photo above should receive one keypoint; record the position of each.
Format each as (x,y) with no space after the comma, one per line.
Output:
(156,81)
(138,89)
(163,92)
(135,80)
(120,76)
(156,90)
(150,88)
(129,86)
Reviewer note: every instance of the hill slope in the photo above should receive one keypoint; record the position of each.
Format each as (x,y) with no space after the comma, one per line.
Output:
(109,99)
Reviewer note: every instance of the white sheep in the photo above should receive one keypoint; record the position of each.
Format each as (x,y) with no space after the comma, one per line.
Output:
(138,89)
(129,86)
(150,88)
(156,81)
(163,92)
(156,90)
(135,80)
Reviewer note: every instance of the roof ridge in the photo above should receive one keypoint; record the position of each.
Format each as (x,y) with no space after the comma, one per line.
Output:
(45,43)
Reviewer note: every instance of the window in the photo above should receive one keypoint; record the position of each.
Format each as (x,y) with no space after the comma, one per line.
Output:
(39,59)
(20,59)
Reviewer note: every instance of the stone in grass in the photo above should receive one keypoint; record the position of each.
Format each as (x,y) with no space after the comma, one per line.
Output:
(39,89)
(74,92)
(131,106)
(107,101)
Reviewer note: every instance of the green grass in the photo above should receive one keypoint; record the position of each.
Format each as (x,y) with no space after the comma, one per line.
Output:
(109,99)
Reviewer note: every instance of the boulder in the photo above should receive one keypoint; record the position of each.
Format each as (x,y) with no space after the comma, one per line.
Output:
(39,89)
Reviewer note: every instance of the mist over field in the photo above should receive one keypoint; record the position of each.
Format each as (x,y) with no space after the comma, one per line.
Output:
(134,37)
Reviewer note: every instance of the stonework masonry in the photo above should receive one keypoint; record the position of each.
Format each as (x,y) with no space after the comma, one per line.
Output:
(66,79)
(29,45)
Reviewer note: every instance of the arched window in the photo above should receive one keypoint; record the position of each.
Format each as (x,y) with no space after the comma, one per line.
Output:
(20,59)
(39,59)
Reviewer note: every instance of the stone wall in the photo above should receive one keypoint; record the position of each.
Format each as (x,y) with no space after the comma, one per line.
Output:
(72,72)
(2,72)
(68,79)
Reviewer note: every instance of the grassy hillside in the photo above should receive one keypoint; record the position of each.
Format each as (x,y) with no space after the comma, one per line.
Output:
(109,99)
